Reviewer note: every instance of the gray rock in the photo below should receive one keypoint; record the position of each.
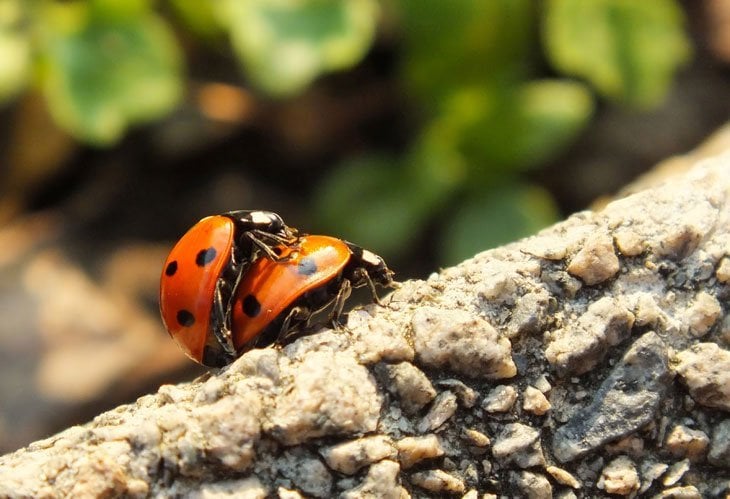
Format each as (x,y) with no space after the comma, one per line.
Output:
(519,444)
(627,400)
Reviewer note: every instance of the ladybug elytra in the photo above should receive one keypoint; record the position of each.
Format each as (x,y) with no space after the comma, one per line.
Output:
(244,279)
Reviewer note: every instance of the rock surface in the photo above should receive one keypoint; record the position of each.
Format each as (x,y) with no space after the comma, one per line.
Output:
(589,360)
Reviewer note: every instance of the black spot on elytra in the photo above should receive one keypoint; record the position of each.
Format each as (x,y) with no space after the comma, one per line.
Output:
(171,268)
(251,306)
(307,266)
(185,318)
(205,256)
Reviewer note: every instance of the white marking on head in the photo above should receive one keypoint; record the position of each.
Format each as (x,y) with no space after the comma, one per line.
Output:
(371,258)
(261,217)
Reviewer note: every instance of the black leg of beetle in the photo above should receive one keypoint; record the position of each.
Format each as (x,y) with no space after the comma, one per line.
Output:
(363,276)
(339,303)
(257,237)
(296,314)
(223,331)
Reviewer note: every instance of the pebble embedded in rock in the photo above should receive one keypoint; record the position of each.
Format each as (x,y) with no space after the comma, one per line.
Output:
(412,450)
(476,438)
(720,448)
(577,348)
(532,485)
(464,343)
(467,396)
(247,487)
(306,472)
(563,477)
(619,477)
(500,399)
(596,261)
(519,444)
(381,481)
(628,242)
(348,457)
(441,411)
(675,472)
(438,481)
(404,380)
(686,442)
(626,400)
(723,270)
(330,395)
(535,402)
(650,471)
(686,492)
(703,314)
(705,369)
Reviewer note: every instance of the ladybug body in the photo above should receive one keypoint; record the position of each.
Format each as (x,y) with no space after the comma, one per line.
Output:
(276,298)
(203,270)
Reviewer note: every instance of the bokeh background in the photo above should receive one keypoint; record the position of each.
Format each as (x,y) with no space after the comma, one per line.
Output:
(424,130)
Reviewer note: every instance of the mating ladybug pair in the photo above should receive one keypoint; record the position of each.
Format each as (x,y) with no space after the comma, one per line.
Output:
(244,279)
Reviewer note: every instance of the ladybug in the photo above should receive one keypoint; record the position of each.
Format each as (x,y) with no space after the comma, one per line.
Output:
(203,270)
(278,297)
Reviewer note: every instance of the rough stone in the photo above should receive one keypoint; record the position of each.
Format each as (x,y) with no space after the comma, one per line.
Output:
(686,492)
(619,477)
(720,447)
(705,369)
(532,485)
(381,481)
(577,348)
(412,450)
(703,314)
(466,396)
(563,477)
(331,395)
(675,472)
(404,380)
(686,442)
(519,444)
(443,408)
(626,400)
(438,481)
(461,342)
(535,402)
(500,399)
(348,457)
(596,261)
(723,270)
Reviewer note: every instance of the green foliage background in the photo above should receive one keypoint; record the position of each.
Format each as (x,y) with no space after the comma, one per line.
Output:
(475,70)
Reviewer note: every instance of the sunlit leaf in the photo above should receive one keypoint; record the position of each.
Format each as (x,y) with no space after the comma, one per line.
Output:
(628,49)
(103,73)
(14,50)
(490,218)
(285,44)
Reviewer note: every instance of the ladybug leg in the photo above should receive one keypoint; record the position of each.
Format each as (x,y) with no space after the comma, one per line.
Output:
(361,276)
(339,303)
(257,238)
(222,331)
(298,314)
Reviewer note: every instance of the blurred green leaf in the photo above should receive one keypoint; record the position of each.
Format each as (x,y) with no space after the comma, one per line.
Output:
(498,216)
(628,49)
(530,124)
(463,42)
(285,44)
(14,50)
(104,70)
(199,16)
(373,202)
(498,129)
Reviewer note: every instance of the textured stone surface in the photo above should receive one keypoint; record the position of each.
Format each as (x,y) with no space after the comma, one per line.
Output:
(627,400)
(545,367)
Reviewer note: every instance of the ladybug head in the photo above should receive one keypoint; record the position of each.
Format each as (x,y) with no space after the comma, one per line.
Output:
(375,267)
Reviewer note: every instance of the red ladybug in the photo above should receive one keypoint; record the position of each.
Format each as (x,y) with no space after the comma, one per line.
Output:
(275,298)
(202,271)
